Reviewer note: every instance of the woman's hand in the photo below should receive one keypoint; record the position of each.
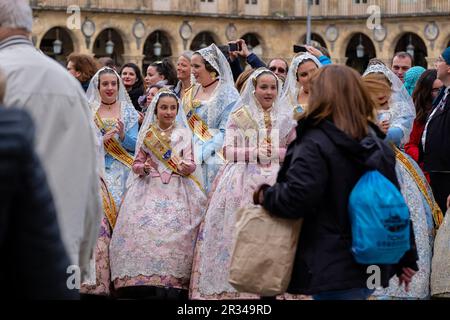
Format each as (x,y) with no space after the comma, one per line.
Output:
(384,126)
(258,195)
(147,166)
(448,202)
(406,277)
(109,135)
(120,129)
(244,52)
(315,52)
(141,117)
(184,168)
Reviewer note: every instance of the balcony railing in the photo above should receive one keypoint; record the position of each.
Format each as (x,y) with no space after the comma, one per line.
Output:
(330,8)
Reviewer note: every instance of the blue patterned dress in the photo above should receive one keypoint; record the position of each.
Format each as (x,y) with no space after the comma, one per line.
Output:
(116,173)
(215,114)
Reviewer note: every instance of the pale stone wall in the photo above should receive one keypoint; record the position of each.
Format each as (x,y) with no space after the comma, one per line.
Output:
(276,35)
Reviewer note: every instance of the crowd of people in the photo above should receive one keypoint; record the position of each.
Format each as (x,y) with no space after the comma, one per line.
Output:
(137,177)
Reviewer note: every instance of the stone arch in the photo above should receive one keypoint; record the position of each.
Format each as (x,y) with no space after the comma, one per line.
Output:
(359,43)
(101,39)
(167,43)
(68,43)
(420,49)
(203,38)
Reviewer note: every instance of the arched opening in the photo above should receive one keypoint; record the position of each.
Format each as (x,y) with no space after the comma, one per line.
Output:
(360,50)
(315,38)
(109,43)
(57,44)
(253,43)
(414,45)
(156,47)
(202,40)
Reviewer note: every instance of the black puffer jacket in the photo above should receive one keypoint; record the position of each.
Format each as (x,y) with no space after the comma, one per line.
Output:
(320,170)
(34,261)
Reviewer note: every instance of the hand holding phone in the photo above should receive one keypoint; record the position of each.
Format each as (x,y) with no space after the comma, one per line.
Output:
(234,46)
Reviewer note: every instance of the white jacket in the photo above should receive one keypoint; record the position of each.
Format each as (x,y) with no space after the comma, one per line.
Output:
(65,140)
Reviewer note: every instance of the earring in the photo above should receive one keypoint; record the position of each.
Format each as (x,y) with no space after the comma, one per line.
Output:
(213,75)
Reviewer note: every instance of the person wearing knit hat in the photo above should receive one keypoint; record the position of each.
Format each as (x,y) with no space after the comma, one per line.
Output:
(411,78)
(436,136)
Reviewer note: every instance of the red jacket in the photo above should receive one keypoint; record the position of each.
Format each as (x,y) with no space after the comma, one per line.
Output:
(412,148)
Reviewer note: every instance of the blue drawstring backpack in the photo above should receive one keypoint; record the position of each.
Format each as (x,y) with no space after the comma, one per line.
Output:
(380,221)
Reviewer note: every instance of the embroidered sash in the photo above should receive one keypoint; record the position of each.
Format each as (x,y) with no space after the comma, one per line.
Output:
(164,153)
(113,147)
(436,211)
(109,206)
(195,122)
(244,120)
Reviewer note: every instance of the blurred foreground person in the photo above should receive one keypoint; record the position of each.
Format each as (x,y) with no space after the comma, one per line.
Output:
(336,144)
(34,261)
(65,138)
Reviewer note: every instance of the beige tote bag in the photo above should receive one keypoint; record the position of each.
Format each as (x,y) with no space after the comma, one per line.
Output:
(440,264)
(263,252)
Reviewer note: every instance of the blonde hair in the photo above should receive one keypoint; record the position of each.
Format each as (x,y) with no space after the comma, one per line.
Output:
(2,86)
(377,85)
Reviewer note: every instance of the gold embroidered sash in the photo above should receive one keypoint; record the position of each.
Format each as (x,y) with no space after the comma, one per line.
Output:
(436,211)
(163,151)
(109,206)
(195,122)
(113,147)
(244,120)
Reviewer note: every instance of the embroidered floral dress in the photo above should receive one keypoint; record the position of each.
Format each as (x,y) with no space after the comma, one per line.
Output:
(100,283)
(419,198)
(154,238)
(247,128)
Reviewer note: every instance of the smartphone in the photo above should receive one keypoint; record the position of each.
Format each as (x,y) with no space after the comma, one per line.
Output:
(298,49)
(234,47)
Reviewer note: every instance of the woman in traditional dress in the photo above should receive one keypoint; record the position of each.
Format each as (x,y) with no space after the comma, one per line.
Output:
(401,106)
(425,214)
(257,134)
(296,88)
(117,120)
(153,242)
(207,105)
(97,284)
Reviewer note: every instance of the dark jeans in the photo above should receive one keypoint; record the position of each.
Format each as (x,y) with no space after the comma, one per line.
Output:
(440,184)
(350,294)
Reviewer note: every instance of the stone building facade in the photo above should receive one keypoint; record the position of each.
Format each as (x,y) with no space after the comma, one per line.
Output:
(377,27)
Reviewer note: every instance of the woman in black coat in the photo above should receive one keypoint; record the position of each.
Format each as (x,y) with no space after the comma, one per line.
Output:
(335,145)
